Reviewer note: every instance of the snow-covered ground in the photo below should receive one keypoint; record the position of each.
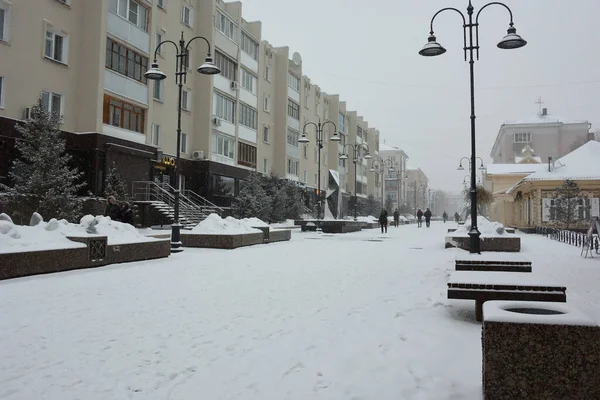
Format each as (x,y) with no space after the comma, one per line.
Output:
(354,316)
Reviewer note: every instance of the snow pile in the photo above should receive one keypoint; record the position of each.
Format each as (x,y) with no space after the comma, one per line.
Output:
(370,218)
(215,225)
(255,222)
(289,223)
(53,234)
(403,218)
(485,226)
(43,236)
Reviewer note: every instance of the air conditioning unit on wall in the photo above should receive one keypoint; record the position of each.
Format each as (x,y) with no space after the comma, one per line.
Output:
(27,113)
(235,86)
(198,155)
(216,121)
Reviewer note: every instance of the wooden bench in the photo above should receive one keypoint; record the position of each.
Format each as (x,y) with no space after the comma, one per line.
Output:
(493,262)
(482,286)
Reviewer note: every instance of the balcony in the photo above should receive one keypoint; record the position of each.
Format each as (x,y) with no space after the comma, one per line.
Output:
(293,123)
(128,32)
(292,94)
(249,62)
(247,134)
(126,87)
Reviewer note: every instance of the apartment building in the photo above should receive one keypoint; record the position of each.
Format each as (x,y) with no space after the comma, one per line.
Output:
(395,187)
(87,65)
(417,186)
(548,135)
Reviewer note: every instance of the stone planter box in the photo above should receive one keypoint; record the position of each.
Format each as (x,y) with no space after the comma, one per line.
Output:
(489,243)
(96,253)
(265,231)
(539,351)
(509,230)
(128,252)
(340,226)
(308,227)
(221,241)
(280,235)
(450,230)
(369,225)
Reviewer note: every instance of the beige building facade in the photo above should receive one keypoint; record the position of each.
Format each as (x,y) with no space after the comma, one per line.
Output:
(86,60)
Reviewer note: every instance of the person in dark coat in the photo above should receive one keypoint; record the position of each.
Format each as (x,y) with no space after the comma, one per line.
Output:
(456,217)
(126,214)
(427,216)
(113,210)
(383,220)
(419,218)
(396,218)
(445,216)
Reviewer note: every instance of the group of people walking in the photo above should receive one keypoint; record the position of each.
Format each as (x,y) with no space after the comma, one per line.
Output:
(420,215)
(383,218)
(118,212)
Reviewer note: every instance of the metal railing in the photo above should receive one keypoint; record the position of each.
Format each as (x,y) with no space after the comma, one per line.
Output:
(569,237)
(201,201)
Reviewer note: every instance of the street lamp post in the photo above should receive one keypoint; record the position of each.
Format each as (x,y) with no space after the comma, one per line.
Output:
(433,48)
(355,149)
(155,74)
(304,139)
(380,162)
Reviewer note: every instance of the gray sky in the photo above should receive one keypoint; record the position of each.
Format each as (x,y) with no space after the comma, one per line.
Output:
(368,53)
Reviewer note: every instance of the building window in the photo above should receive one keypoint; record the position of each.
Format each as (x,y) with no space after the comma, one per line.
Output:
(359,132)
(131,10)
(316,154)
(268,72)
(341,126)
(293,109)
(123,115)
(306,96)
(155,135)
(246,155)
(186,100)
(56,47)
(52,103)
(249,46)
(523,137)
(159,39)
(249,81)
(265,165)
(267,103)
(304,176)
(292,137)
(187,16)
(306,152)
(184,145)
(187,58)
(3,22)
(316,179)
(125,61)
(225,26)
(224,107)
(293,166)
(266,134)
(248,116)
(293,82)
(222,146)
(227,66)
(157,92)
(161,4)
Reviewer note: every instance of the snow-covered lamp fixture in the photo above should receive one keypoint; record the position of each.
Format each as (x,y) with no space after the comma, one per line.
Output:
(335,137)
(209,67)
(460,167)
(343,156)
(391,170)
(303,139)
(432,48)
(512,40)
(367,156)
(154,73)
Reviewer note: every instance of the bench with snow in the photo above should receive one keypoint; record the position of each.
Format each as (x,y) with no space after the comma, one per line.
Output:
(499,262)
(483,286)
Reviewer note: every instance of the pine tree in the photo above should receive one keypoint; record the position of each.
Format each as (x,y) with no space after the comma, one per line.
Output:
(389,204)
(114,185)
(252,201)
(41,177)
(566,203)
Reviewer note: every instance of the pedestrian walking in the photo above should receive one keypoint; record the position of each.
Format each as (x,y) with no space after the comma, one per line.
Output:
(445,216)
(427,216)
(383,220)
(456,217)
(396,217)
(419,218)
(126,214)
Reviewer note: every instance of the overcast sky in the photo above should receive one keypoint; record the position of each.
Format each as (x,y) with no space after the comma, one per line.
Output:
(367,52)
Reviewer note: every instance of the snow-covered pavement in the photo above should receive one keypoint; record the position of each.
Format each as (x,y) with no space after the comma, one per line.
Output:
(354,316)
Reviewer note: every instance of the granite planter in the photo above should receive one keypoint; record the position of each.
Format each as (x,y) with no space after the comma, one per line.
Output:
(128,252)
(488,243)
(340,226)
(280,235)
(232,241)
(536,350)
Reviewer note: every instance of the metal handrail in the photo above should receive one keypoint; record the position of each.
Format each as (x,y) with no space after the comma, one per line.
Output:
(199,200)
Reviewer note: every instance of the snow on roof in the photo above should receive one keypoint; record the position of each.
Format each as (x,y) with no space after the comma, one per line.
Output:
(500,311)
(385,147)
(536,158)
(580,164)
(544,119)
(412,167)
(510,169)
